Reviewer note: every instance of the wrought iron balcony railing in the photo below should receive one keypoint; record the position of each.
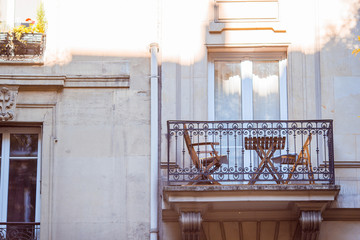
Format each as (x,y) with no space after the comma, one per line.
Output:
(19,230)
(29,47)
(250,152)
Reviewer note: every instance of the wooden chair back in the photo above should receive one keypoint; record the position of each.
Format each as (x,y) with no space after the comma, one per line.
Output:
(304,156)
(193,155)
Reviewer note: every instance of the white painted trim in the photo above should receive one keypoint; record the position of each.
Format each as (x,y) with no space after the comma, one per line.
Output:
(38,181)
(246,91)
(283,89)
(10,13)
(4,177)
(211,91)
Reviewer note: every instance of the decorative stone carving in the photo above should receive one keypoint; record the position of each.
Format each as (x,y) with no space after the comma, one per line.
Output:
(7,103)
(190,225)
(310,224)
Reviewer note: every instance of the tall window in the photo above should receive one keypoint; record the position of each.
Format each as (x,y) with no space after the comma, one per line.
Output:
(15,12)
(20,175)
(247,88)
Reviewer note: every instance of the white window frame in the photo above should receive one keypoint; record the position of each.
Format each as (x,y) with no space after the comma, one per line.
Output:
(246,95)
(5,161)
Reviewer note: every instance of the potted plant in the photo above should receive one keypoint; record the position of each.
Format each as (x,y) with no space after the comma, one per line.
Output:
(29,40)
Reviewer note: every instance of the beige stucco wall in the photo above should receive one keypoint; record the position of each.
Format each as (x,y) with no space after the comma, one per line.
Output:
(96,151)
(96,140)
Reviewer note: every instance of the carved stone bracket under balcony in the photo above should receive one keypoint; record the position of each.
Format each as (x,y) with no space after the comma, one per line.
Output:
(7,103)
(190,225)
(310,224)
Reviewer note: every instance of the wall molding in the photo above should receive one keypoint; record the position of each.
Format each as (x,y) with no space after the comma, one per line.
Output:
(50,82)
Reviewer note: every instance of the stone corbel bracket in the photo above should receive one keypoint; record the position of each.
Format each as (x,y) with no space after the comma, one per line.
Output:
(310,224)
(190,225)
(8,102)
(310,219)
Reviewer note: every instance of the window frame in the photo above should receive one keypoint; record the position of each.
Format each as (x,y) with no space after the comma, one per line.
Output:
(246,57)
(5,164)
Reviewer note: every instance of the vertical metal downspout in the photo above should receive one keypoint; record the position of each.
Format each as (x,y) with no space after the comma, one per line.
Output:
(154,140)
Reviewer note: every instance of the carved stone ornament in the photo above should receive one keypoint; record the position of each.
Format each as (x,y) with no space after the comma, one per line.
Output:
(310,224)
(190,225)
(7,103)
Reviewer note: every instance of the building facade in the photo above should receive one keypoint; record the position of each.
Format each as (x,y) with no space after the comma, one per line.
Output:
(208,119)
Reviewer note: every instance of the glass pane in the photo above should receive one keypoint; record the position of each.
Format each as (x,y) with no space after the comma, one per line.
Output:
(23,145)
(227,91)
(22,190)
(266,97)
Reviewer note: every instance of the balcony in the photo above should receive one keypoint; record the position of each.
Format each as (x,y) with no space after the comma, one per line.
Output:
(19,230)
(249,172)
(29,48)
(250,152)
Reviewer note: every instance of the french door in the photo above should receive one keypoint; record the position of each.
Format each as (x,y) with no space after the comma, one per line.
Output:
(244,87)
(20,174)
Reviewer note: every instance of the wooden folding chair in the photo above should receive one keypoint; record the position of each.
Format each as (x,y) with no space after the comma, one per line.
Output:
(304,159)
(206,166)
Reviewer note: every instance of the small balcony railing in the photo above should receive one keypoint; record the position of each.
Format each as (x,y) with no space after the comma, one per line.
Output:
(19,230)
(250,152)
(29,47)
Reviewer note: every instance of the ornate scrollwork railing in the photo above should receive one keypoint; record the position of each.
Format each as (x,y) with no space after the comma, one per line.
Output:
(29,47)
(19,231)
(305,154)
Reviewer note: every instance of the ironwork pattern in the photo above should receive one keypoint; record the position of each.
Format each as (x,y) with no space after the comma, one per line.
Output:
(29,47)
(243,163)
(19,231)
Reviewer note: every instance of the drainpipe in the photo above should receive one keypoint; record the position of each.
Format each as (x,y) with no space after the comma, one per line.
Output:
(154,143)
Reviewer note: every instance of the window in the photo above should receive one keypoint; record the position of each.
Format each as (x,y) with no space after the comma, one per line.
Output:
(20,175)
(15,12)
(247,87)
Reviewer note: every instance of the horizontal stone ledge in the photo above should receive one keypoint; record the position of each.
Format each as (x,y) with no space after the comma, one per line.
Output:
(117,81)
(254,193)
(204,188)
(39,82)
(219,27)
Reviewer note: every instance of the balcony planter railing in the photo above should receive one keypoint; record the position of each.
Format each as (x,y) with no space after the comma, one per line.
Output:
(29,47)
(250,152)
(19,230)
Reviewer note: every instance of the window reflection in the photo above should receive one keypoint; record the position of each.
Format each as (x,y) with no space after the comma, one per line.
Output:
(22,190)
(23,145)
(266,97)
(227,90)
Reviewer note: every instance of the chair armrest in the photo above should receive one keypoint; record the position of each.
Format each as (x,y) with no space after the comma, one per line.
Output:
(205,143)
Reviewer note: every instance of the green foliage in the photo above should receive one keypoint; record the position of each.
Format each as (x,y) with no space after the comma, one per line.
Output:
(20,30)
(356,51)
(41,22)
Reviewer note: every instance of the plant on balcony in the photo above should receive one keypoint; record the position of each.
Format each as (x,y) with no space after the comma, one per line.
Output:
(41,22)
(356,51)
(25,40)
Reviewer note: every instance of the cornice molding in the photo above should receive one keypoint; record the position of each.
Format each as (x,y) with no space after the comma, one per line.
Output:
(50,82)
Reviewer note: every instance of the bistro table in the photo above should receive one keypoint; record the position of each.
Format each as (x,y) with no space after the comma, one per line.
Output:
(265,147)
